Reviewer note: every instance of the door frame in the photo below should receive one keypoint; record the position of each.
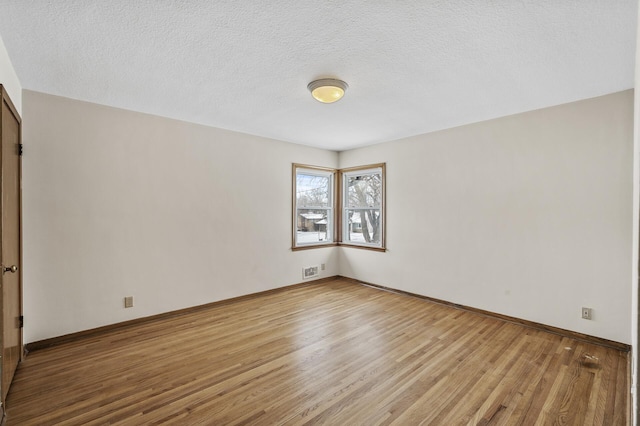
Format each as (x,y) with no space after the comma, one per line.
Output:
(4,97)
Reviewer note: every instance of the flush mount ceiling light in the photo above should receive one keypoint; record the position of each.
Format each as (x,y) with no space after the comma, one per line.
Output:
(327,90)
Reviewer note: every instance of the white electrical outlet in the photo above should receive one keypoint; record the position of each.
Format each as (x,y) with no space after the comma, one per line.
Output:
(128,302)
(323,267)
(586,313)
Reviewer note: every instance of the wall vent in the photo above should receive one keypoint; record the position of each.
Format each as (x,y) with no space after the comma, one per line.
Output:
(310,272)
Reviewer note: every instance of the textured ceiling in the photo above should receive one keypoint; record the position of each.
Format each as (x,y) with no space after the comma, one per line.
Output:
(412,67)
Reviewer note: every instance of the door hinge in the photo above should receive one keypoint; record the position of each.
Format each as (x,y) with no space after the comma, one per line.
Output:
(20,149)
(21,320)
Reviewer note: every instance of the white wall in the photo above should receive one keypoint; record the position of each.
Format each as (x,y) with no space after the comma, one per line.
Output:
(9,79)
(118,203)
(528,215)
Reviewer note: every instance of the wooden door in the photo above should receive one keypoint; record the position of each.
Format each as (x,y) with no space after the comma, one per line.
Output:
(10,230)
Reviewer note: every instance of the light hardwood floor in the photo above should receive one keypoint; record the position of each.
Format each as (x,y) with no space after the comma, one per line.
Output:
(334,353)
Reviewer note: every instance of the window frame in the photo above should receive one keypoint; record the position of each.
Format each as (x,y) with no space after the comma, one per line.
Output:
(318,171)
(344,209)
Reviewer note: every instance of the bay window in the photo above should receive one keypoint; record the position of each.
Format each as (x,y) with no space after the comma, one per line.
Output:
(356,217)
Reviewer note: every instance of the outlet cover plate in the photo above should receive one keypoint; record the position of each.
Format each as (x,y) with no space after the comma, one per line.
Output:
(128,302)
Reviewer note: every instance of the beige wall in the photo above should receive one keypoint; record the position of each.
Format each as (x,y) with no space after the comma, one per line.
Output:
(528,215)
(9,79)
(118,203)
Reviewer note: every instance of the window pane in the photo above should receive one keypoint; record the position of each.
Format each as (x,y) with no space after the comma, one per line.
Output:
(363,201)
(313,226)
(364,190)
(365,226)
(312,190)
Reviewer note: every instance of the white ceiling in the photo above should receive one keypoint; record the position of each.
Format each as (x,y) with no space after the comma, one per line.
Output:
(412,66)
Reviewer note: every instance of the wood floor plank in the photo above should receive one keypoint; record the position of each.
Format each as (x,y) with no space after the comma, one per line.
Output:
(331,353)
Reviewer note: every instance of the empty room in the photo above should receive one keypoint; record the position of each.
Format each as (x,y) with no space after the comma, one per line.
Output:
(340,213)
